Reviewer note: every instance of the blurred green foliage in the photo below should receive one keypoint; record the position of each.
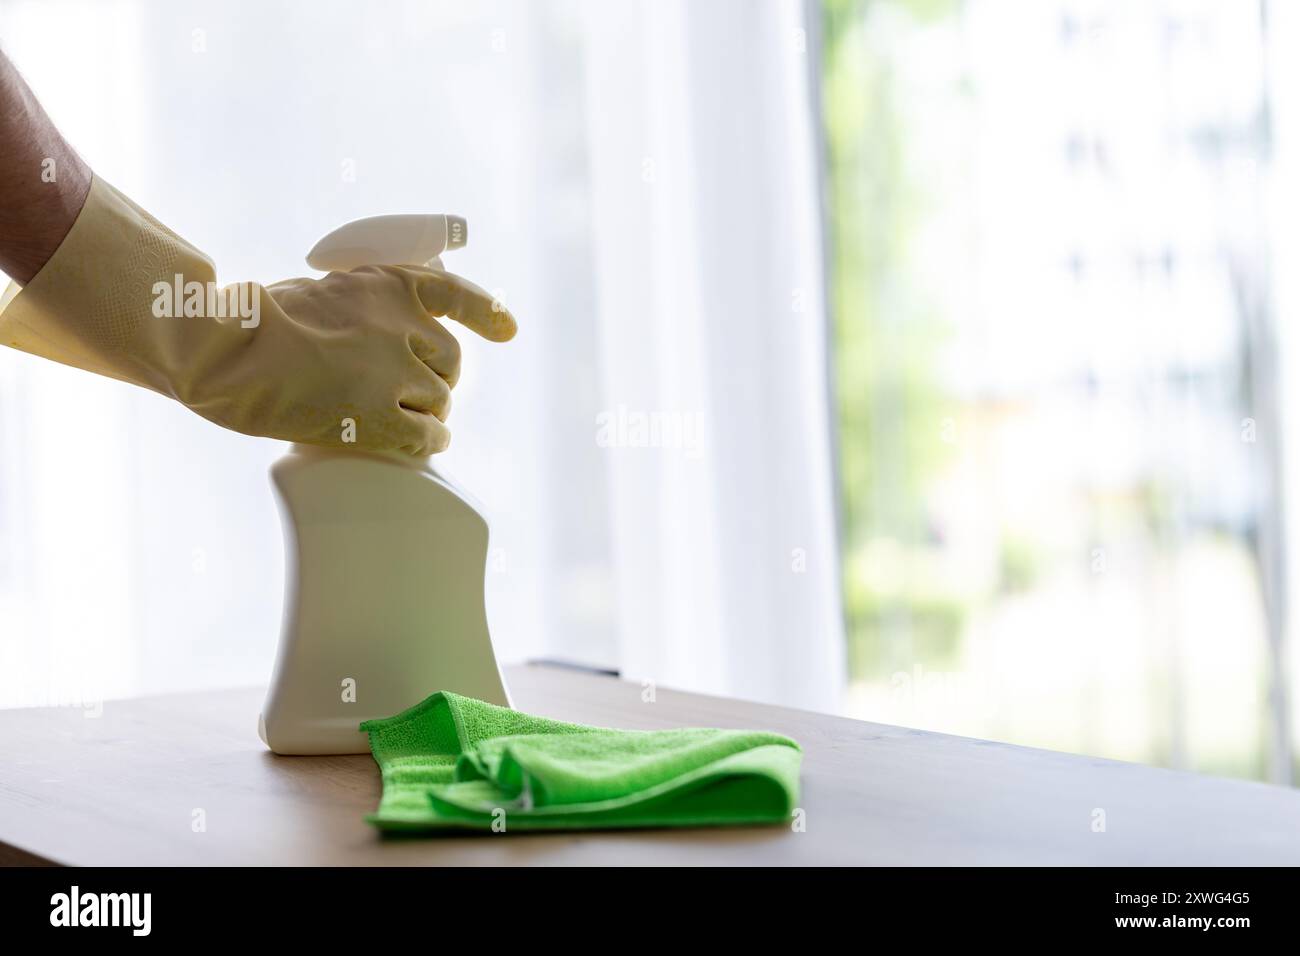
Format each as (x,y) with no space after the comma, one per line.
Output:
(892,412)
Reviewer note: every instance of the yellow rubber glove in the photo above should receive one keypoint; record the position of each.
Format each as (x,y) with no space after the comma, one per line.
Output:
(354,359)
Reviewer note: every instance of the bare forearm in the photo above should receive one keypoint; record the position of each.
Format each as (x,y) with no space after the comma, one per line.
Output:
(43,183)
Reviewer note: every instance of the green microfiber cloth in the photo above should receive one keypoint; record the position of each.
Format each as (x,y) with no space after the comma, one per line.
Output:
(452,761)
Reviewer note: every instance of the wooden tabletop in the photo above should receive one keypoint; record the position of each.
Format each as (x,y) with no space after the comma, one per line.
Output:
(124,789)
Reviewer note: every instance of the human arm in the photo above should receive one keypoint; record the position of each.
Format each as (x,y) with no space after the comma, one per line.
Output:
(43,182)
(354,358)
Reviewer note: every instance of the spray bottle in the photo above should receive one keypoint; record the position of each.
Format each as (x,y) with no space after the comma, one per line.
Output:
(385,559)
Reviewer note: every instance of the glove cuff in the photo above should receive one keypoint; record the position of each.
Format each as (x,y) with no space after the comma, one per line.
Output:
(91,304)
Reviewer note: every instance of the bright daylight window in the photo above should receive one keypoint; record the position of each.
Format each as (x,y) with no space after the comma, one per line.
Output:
(1054,356)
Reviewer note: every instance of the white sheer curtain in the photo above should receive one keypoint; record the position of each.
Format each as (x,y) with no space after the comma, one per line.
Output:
(706,222)
(641,185)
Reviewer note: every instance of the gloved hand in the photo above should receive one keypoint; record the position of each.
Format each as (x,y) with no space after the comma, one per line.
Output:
(354,359)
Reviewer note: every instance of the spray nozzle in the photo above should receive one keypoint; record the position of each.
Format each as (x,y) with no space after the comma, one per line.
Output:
(389,241)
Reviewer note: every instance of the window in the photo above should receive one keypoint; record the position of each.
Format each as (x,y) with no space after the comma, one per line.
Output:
(1057,375)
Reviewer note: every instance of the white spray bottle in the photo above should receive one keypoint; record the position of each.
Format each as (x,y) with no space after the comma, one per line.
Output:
(385,559)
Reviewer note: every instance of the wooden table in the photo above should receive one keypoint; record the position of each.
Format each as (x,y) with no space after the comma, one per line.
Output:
(122,789)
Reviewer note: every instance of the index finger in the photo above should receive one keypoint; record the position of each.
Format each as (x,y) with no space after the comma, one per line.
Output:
(447,294)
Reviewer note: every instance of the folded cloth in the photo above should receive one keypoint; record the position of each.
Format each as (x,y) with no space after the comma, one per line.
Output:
(455,762)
